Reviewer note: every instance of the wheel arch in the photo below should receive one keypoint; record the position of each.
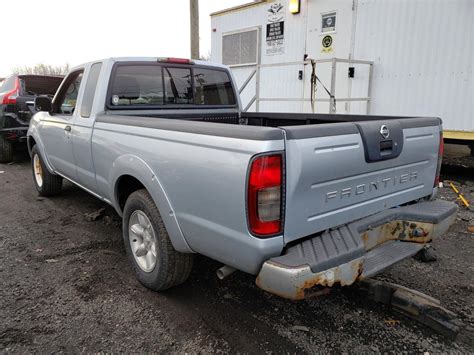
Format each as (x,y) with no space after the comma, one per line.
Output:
(30,142)
(34,139)
(130,173)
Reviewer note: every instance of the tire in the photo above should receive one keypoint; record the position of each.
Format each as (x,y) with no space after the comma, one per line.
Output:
(46,184)
(170,267)
(6,150)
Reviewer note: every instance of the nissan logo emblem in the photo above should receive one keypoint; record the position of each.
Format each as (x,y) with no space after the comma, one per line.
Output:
(384,131)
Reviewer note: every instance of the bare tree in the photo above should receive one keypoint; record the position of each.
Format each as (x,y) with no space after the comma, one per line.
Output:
(43,69)
(205,57)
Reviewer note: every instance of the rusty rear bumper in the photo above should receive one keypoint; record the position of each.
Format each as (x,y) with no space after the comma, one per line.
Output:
(355,251)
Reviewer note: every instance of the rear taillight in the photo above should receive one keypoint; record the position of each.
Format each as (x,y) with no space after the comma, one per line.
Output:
(440,158)
(9,97)
(265,195)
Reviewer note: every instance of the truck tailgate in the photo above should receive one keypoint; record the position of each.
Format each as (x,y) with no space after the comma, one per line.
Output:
(340,172)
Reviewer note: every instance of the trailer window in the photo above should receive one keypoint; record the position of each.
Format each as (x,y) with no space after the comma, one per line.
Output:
(240,48)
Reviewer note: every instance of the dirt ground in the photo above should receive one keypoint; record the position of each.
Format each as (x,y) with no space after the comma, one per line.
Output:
(66,286)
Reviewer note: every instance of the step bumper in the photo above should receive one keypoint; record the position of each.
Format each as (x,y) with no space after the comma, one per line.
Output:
(355,251)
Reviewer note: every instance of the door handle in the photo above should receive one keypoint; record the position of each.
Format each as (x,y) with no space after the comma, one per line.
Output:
(67,128)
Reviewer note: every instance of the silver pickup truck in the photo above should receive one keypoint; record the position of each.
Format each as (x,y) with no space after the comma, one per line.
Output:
(304,201)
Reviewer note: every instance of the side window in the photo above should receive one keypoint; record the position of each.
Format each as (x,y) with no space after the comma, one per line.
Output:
(178,85)
(89,91)
(68,95)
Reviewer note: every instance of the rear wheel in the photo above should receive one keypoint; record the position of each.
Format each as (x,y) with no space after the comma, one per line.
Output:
(46,184)
(6,150)
(156,263)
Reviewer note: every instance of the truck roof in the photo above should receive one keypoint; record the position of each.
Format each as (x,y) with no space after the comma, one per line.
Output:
(145,59)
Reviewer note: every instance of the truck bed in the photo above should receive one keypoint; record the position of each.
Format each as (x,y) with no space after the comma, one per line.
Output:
(339,167)
(261,119)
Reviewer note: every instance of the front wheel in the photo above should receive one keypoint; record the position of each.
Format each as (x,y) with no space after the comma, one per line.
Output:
(156,263)
(46,184)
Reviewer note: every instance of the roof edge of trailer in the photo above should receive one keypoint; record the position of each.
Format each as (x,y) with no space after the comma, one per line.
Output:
(239,7)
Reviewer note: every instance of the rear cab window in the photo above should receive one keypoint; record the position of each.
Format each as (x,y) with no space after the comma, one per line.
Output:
(156,85)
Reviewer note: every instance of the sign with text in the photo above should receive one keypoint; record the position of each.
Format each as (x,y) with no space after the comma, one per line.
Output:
(275,32)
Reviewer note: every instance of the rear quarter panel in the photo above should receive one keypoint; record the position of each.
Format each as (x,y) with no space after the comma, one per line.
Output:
(198,182)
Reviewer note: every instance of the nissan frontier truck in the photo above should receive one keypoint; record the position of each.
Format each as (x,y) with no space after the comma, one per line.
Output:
(302,201)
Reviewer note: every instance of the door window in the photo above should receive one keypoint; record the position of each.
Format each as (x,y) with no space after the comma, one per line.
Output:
(68,95)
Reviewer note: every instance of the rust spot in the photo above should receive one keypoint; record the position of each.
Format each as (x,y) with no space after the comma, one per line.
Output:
(310,286)
(343,275)
(396,228)
(365,238)
(360,270)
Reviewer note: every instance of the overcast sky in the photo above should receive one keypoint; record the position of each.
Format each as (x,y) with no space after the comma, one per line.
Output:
(76,31)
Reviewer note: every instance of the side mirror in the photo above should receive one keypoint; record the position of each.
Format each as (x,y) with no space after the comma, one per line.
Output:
(43,103)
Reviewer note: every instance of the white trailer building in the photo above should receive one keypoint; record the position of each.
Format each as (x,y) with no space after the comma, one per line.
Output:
(392,57)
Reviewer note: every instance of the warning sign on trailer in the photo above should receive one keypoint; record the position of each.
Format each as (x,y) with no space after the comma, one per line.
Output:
(275,31)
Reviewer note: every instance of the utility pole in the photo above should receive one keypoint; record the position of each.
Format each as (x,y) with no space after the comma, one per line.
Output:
(194,27)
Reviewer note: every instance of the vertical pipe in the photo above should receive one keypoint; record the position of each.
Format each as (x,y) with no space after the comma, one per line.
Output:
(369,88)
(333,86)
(305,10)
(194,27)
(257,89)
(351,53)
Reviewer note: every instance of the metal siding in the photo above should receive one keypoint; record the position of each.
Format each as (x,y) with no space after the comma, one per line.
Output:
(276,82)
(340,46)
(423,54)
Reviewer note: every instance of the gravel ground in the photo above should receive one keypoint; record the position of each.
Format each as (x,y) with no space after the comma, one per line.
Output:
(66,286)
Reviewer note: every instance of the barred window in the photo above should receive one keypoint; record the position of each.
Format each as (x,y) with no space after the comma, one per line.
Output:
(240,48)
